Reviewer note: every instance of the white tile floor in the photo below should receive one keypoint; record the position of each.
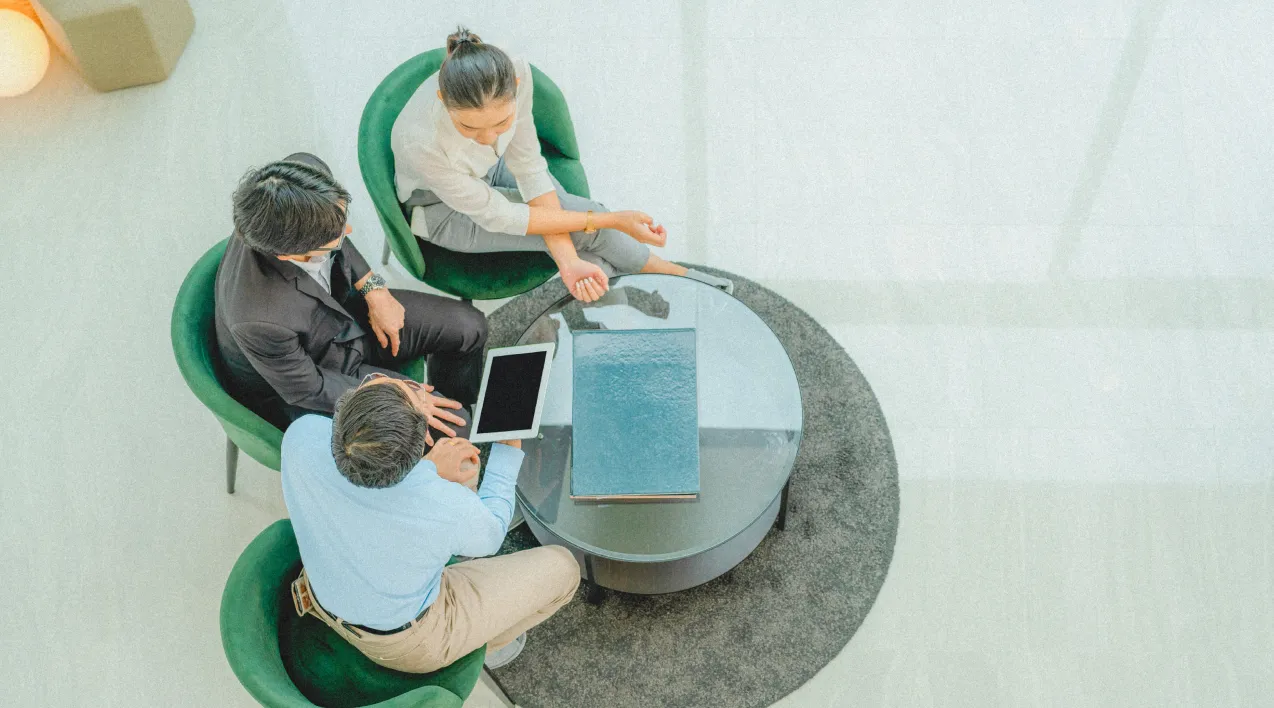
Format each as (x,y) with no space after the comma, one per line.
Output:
(1043,230)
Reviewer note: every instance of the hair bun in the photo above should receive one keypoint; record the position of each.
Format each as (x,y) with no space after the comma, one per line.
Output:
(462,35)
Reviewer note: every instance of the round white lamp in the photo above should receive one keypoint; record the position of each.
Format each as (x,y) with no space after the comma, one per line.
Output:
(24,53)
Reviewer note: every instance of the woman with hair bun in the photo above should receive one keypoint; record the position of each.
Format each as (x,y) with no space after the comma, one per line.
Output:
(471,178)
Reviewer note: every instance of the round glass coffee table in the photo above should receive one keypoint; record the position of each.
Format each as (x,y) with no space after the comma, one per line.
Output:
(749,412)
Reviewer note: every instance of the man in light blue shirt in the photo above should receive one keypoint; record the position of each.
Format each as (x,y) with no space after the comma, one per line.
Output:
(376,525)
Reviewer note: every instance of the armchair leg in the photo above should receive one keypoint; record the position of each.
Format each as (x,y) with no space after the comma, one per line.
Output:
(232,464)
(384,255)
(494,686)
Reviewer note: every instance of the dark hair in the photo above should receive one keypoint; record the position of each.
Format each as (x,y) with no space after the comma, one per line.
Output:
(289,207)
(474,73)
(378,436)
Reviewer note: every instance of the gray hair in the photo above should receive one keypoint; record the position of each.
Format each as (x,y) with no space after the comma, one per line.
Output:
(474,73)
(378,436)
(289,207)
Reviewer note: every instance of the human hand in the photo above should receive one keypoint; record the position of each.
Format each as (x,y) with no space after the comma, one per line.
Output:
(511,443)
(586,281)
(640,226)
(434,408)
(450,456)
(387,318)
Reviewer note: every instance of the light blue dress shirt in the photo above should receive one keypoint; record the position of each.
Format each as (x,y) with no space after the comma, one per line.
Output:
(375,556)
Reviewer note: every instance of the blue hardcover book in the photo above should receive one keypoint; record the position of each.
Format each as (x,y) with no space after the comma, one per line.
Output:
(636,411)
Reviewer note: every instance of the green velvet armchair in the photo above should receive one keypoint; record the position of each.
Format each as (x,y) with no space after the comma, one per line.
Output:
(195,347)
(476,276)
(286,661)
(194,341)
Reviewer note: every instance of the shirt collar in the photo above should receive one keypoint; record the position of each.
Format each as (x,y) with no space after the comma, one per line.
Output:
(317,264)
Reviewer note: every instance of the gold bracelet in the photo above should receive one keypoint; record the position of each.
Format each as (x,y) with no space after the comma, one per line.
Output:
(588,222)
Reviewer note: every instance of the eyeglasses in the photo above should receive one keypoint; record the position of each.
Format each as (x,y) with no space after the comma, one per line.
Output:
(339,242)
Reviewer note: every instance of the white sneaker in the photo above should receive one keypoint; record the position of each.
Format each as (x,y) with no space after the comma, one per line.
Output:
(507,653)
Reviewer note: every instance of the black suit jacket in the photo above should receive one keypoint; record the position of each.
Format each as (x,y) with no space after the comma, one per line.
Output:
(288,346)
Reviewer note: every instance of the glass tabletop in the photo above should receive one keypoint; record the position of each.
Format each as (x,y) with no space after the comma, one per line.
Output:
(749,423)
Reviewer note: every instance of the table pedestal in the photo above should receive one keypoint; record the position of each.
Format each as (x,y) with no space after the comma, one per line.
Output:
(665,576)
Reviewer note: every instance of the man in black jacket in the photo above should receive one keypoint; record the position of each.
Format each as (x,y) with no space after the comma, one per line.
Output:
(301,318)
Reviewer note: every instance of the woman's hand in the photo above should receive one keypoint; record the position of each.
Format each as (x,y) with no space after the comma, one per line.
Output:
(640,226)
(586,281)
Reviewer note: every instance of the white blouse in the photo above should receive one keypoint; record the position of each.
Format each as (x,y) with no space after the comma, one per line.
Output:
(430,154)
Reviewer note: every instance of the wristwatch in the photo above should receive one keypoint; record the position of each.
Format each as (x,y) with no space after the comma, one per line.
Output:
(373,282)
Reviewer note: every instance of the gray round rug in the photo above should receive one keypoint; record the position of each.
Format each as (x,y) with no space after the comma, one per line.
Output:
(757,633)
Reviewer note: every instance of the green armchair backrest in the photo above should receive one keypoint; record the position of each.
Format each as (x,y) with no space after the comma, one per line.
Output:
(194,338)
(483,276)
(267,644)
(195,347)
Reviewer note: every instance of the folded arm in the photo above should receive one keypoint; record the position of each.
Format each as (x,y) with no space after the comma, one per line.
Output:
(560,246)
(494,212)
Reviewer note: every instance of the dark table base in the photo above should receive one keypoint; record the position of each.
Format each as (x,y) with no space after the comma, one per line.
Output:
(667,576)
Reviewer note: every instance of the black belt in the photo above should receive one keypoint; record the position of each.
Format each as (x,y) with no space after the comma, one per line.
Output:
(304,600)
(381,632)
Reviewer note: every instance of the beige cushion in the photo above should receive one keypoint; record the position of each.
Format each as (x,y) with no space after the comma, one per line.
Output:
(119,43)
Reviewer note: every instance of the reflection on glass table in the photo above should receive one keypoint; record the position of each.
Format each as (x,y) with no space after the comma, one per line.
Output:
(749,413)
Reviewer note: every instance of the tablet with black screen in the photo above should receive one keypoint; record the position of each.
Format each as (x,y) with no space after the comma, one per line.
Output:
(512,395)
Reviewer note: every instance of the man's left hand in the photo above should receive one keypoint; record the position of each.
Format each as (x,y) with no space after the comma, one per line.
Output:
(387,318)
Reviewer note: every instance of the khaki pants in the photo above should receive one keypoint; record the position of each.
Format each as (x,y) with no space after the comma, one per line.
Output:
(483,601)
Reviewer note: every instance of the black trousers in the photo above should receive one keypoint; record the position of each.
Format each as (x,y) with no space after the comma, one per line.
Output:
(450,334)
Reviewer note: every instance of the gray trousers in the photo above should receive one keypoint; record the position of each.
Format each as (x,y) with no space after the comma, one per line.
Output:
(614,251)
